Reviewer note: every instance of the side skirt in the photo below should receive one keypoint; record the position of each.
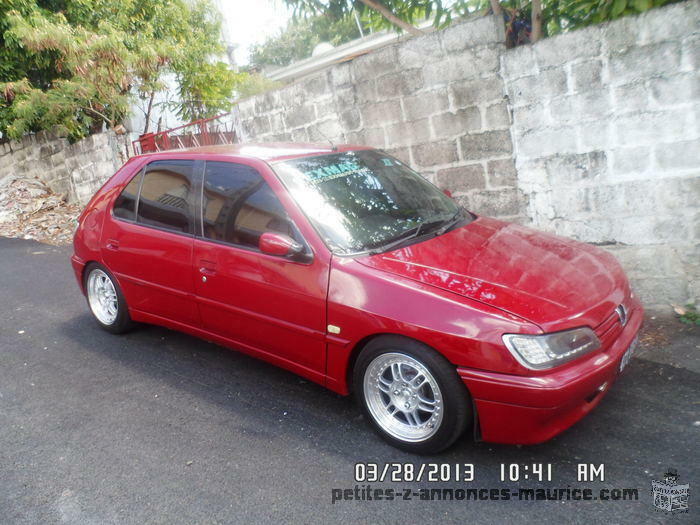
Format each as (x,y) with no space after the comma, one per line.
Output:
(312,375)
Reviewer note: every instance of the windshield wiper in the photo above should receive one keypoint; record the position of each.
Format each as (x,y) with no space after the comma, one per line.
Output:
(405,236)
(457,217)
(414,232)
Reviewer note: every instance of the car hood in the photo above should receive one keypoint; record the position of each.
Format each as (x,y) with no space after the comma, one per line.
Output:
(553,282)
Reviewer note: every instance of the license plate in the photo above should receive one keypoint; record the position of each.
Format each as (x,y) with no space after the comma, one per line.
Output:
(627,357)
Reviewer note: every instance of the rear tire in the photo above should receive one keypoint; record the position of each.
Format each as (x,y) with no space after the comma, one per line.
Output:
(411,394)
(106,300)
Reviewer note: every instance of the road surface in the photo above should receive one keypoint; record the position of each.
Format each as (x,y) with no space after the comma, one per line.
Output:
(159,427)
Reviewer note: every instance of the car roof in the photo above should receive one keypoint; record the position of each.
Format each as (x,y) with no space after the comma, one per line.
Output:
(267,151)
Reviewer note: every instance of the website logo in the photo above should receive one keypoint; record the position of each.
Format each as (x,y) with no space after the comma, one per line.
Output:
(668,495)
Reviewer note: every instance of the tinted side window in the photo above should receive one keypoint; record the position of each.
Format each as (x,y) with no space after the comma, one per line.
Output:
(166,199)
(239,206)
(125,205)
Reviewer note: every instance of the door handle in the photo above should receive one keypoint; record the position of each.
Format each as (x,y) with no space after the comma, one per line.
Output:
(112,244)
(207,267)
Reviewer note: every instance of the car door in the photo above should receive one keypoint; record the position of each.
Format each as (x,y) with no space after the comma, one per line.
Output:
(274,306)
(148,239)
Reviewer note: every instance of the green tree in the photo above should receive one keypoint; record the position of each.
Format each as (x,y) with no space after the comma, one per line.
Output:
(77,64)
(206,90)
(299,38)
(252,83)
(382,14)
(562,15)
(556,15)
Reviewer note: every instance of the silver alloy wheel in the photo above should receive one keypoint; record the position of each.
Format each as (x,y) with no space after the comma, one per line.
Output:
(102,296)
(403,397)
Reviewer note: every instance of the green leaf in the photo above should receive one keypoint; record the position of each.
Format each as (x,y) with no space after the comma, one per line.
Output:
(87,58)
(618,7)
(642,5)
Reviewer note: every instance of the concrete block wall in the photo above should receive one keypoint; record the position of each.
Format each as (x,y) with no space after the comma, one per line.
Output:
(437,102)
(592,135)
(606,130)
(74,170)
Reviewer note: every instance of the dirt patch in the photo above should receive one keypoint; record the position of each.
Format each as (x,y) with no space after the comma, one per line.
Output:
(654,335)
(30,210)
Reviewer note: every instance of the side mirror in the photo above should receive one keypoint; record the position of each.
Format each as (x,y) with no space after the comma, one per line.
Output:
(448,193)
(280,244)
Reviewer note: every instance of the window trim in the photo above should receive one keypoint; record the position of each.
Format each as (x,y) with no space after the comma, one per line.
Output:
(195,180)
(138,197)
(306,257)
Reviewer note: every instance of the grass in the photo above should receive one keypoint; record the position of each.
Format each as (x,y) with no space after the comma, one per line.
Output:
(688,314)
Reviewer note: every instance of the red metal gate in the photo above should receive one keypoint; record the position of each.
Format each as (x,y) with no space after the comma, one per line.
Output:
(203,132)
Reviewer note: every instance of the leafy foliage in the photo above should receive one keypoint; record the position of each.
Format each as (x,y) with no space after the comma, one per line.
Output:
(206,91)
(253,83)
(411,11)
(299,38)
(688,314)
(564,15)
(76,64)
(558,15)
(578,13)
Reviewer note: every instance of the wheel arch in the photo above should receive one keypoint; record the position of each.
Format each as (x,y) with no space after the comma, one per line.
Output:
(84,270)
(101,264)
(355,352)
(362,343)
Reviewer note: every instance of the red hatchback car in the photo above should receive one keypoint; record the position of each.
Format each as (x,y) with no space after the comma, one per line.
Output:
(348,268)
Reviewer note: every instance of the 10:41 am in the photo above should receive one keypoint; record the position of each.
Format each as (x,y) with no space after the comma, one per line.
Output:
(517,472)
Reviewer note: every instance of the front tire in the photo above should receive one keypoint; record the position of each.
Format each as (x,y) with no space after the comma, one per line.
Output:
(411,394)
(106,300)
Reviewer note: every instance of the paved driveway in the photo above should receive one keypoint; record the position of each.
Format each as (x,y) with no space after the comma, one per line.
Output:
(159,427)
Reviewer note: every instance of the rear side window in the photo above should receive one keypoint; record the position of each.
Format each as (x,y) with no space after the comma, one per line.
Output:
(125,205)
(166,196)
(239,206)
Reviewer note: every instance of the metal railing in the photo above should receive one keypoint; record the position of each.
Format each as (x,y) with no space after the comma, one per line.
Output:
(203,132)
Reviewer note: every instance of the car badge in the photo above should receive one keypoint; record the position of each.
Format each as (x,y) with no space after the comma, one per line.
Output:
(621,312)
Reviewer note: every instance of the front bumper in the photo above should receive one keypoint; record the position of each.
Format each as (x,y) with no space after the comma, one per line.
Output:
(531,409)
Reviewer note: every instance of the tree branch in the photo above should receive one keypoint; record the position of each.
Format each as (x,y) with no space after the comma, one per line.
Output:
(496,8)
(101,115)
(148,111)
(536,21)
(391,17)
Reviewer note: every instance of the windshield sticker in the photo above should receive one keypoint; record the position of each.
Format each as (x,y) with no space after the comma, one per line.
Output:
(333,171)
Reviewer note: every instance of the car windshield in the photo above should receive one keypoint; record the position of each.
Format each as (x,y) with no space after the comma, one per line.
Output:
(366,200)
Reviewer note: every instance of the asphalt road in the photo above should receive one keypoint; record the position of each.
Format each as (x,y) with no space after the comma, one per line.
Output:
(159,427)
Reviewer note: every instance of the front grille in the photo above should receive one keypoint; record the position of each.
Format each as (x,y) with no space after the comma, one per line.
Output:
(610,328)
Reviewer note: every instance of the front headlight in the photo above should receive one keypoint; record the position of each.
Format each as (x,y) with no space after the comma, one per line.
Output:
(549,350)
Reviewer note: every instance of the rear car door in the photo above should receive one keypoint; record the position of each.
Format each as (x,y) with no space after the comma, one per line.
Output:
(275,306)
(148,239)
